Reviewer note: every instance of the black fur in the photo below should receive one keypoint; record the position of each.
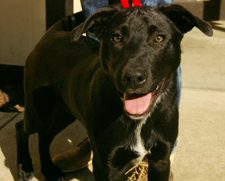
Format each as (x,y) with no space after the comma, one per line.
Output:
(86,79)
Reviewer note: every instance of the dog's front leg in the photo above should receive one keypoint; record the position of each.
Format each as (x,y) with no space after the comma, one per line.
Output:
(159,170)
(159,162)
(100,174)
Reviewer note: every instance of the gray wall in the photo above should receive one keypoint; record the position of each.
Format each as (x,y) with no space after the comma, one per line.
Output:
(22,24)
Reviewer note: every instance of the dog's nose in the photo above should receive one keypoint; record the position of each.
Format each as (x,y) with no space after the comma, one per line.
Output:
(134,78)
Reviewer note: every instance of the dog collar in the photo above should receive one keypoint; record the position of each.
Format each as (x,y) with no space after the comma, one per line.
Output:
(126,4)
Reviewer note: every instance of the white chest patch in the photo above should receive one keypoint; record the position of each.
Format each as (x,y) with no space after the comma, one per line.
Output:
(138,145)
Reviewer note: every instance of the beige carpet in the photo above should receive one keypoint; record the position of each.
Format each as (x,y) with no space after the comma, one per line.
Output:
(203,59)
(200,154)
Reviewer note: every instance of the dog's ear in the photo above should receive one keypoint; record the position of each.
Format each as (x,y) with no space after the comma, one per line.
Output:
(184,20)
(95,23)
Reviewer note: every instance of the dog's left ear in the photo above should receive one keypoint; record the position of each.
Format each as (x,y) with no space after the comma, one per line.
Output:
(184,20)
(95,23)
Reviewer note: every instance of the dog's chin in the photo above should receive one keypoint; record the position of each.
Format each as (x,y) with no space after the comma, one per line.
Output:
(139,106)
(138,116)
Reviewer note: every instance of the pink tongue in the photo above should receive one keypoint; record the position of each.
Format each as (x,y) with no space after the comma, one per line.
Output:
(137,104)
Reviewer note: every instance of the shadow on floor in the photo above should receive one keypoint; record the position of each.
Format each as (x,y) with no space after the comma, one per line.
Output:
(75,133)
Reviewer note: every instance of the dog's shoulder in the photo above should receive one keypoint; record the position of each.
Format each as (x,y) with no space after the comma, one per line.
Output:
(55,56)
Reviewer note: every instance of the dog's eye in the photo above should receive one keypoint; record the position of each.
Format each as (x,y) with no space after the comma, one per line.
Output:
(117,38)
(159,38)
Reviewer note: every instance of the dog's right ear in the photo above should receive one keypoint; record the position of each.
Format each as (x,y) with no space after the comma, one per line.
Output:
(95,23)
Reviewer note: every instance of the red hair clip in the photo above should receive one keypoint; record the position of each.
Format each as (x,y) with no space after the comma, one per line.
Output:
(126,4)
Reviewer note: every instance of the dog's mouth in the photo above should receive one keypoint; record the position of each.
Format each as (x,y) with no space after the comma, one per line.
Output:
(137,105)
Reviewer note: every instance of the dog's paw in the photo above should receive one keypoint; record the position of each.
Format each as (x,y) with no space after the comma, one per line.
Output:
(23,175)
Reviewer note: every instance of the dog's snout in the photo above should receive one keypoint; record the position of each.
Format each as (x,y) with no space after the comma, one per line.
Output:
(134,78)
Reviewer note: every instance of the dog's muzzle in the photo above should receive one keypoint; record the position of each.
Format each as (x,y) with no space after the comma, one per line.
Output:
(137,102)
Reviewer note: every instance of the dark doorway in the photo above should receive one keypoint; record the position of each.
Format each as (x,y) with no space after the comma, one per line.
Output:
(212,10)
(57,9)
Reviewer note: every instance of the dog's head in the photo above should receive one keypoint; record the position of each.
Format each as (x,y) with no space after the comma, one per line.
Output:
(140,48)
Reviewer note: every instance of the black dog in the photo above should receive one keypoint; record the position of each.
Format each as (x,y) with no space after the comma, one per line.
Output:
(123,89)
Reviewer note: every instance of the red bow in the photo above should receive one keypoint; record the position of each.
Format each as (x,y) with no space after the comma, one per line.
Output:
(126,4)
